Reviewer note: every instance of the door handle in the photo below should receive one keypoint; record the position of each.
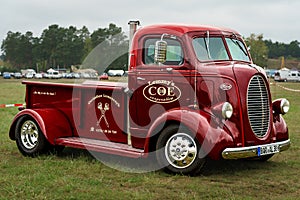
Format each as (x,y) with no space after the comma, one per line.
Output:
(141,79)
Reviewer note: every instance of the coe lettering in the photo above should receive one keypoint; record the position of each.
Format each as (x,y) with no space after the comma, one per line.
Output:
(161,91)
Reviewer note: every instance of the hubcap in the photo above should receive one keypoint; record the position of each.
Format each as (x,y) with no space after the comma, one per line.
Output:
(181,150)
(29,134)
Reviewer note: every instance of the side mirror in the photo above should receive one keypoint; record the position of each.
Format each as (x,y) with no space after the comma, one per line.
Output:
(160,52)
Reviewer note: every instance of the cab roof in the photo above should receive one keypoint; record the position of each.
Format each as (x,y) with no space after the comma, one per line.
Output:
(181,29)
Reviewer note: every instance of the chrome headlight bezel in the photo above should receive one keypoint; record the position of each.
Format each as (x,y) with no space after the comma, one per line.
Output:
(284,106)
(227,110)
(281,106)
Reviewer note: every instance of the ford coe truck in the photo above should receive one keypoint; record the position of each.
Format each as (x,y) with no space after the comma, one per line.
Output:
(193,93)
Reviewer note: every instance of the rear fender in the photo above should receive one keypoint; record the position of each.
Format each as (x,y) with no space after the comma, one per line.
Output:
(214,137)
(52,123)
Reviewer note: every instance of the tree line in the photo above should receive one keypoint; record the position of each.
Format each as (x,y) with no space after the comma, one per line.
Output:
(261,50)
(63,47)
(57,47)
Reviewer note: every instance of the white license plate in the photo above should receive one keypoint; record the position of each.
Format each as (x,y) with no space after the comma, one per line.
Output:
(267,149)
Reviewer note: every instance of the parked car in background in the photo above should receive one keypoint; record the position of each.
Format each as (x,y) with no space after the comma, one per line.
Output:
(294,76)
(28,71)
(18,75)
(53,75)
(94,75)
(69,75)
(6,75)
(103,76)
(271,72)
(38,76)
(75,75)
(115,72)
(85,75)
(29,75)
(64,75)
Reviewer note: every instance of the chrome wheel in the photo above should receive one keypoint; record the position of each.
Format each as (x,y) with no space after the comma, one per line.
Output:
(181,150)
(29,137)
(177,151)
(29,134)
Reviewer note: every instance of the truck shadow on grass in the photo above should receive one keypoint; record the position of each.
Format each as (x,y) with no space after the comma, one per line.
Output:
(230,167)
(144,165)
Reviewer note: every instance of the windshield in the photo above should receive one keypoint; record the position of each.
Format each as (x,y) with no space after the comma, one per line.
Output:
(237,50)
(213,48)
(210,49)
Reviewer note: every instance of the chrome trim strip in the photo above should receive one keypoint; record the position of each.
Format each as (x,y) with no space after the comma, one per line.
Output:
(248,152)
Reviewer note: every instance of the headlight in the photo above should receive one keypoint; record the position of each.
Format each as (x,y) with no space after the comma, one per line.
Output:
(227,110)
(281,106)
(284,106)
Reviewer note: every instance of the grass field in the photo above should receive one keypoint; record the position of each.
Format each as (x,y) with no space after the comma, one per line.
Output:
(75,174)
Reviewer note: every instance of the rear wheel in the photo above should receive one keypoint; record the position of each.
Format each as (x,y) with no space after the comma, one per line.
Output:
(29,137)
(178,151)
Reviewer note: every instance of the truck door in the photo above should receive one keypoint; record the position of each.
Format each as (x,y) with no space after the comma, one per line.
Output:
(158,88)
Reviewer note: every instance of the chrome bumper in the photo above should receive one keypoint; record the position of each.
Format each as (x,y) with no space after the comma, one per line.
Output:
(252,151)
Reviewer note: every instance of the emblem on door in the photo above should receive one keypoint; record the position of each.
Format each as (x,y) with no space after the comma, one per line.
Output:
(161,91)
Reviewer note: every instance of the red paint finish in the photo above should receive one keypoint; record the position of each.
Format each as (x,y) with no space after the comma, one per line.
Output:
(187,91)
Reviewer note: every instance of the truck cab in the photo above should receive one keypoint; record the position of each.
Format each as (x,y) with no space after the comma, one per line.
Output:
(193,92)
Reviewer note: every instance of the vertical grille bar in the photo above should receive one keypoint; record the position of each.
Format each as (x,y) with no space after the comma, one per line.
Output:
(258,106)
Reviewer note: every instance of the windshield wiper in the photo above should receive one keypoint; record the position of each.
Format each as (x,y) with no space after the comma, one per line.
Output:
(238,44)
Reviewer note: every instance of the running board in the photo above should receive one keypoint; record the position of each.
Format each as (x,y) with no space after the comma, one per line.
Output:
(101,146)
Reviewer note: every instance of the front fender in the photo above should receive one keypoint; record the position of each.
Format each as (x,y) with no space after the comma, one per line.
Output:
(213,136)
(52,123)
(281,128)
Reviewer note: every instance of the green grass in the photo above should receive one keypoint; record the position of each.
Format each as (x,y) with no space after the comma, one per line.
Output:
(75,174)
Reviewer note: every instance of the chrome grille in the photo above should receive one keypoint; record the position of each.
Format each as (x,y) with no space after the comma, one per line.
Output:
(258,106)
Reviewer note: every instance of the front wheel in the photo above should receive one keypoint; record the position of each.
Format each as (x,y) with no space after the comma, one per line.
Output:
(178,151)
(29,137)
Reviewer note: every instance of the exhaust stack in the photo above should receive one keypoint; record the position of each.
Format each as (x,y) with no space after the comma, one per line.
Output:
(132,29)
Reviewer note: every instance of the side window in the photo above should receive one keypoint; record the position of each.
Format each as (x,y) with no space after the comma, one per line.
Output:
(174,52)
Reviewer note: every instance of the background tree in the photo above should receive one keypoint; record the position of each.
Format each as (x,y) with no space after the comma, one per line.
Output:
(293,49)
(17,49)
(111,49)
(63,47)
(258,49)
(275,49)
(86,37)
(71,48)
(50,40)
(279,49)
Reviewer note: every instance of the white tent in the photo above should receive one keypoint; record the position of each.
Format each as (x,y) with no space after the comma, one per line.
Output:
(285,69)
(51,71)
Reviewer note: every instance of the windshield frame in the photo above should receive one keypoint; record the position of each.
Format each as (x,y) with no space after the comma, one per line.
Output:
(230,55)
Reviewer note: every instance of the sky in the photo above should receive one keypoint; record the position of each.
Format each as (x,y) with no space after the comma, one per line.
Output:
(277,20)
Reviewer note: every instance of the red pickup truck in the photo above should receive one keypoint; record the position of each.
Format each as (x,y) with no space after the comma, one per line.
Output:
(193,92)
